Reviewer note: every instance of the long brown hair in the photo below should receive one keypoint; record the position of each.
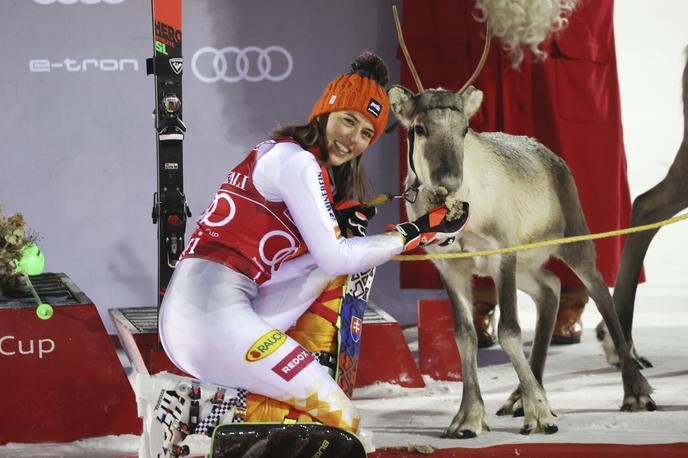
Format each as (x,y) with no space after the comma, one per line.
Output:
(349,179)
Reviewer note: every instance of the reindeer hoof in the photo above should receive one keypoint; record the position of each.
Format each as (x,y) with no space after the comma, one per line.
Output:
(651,406)
(551,429)
(526,430)
(645,362)
(626,407)
(463,434)
(519,412)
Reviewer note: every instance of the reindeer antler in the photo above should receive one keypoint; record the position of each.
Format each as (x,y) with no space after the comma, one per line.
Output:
(414,73)
(483,59)
(400,35)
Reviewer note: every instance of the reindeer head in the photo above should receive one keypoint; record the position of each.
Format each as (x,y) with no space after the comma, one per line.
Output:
(437,122)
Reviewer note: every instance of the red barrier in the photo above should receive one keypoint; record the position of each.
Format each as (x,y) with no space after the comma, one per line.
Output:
(385,355)
(62,379)
(679,450)
(438,355)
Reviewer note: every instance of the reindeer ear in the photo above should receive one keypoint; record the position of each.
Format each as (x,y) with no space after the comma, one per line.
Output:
(401,101)
(472,98)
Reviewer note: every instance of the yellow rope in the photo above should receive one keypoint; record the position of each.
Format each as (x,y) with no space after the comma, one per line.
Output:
(530,246)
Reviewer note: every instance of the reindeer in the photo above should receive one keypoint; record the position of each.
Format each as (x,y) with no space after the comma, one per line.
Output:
(667,198)
(519,193)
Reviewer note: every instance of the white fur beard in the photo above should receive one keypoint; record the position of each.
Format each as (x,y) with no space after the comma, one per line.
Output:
(521,23)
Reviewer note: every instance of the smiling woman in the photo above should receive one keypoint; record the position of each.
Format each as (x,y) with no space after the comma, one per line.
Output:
(270,251)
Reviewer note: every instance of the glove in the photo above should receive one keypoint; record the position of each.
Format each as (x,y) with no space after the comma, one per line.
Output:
(433,228)
(353,217)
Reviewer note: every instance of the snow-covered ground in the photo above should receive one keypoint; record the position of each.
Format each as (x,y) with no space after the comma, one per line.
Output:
(584,392)
(582,389)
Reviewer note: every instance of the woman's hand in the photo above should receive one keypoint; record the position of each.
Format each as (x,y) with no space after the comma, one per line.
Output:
(433,228)
(353,217)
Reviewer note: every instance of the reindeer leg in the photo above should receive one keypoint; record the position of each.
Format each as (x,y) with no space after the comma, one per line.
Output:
(581,258)
(470,419)
(538,415)
(663,201)
(543,287)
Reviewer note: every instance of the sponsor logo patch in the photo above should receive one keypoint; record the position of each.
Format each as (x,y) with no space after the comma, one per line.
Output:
(293,363)
(374,108)
(266,345)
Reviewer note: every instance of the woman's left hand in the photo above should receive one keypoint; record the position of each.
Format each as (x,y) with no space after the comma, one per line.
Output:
(353,217)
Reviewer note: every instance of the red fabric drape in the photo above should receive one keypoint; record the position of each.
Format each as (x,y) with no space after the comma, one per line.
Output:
(570,102)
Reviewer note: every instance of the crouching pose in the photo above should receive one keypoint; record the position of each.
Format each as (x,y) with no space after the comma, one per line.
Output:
(269,244)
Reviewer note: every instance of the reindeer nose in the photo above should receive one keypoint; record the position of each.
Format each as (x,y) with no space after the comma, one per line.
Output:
(450,180)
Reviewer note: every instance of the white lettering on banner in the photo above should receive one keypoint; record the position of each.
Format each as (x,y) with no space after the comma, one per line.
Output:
(251,64)
(71,2)
(45,346)
(213,206)
(84,65)
(281,254)
(237,179)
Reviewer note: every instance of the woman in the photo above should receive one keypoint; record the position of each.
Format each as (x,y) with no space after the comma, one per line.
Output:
(270,243)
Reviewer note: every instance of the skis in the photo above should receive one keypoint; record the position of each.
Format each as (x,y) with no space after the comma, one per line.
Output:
(351,326)
(169,203)
(278,440)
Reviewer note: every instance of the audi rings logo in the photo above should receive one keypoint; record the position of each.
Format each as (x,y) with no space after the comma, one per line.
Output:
(278,252)
(231,64)
(71,2)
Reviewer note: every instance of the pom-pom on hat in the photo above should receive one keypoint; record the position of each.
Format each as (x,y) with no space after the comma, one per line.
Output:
(361,90)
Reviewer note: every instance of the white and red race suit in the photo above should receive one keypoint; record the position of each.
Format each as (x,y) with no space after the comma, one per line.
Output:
(246,276)
(273,201)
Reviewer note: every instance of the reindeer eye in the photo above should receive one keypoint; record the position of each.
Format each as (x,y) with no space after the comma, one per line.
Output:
(465,131)
(419,130)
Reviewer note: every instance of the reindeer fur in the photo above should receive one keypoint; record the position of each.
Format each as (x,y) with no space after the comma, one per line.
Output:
(519,192)
(664,200)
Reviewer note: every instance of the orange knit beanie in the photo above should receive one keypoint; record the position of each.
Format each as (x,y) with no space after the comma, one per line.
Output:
(360,90)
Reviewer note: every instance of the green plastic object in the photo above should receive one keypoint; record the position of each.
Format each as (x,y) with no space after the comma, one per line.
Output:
(32,261)
(44,311)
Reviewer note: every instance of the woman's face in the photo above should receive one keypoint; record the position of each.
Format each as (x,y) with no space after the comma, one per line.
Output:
(348,134)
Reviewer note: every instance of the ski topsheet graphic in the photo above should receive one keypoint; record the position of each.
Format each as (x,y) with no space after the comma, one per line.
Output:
(353,307)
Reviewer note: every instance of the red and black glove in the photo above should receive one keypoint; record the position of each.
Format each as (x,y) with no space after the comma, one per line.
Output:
(433,228)
(353,217)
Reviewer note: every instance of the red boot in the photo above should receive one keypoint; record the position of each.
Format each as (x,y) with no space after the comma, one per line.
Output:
(484,302)
(569,327)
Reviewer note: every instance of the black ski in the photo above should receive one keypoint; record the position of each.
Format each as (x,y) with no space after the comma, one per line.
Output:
(169,203)
(277,440)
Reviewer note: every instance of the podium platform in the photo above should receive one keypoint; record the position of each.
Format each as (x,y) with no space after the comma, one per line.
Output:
(384,355)
(63,380)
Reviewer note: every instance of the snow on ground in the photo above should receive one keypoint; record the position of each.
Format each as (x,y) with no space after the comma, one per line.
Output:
(583,391)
